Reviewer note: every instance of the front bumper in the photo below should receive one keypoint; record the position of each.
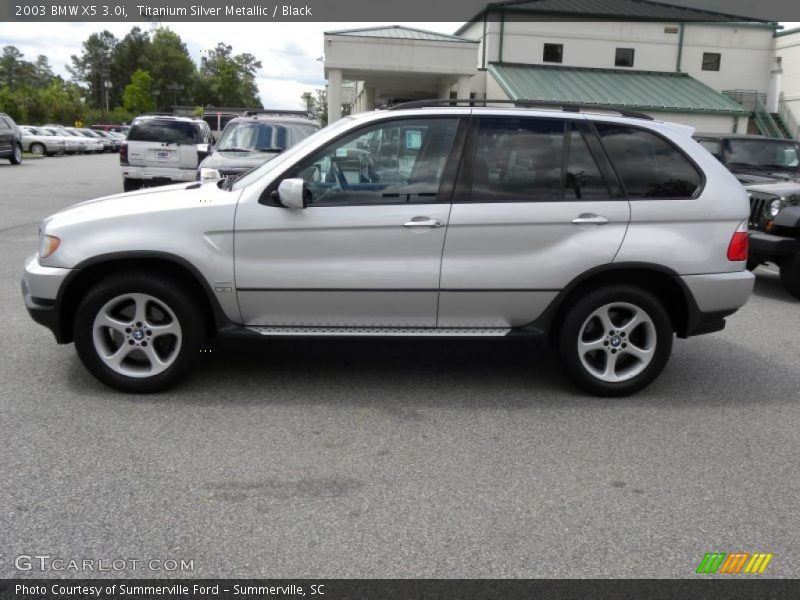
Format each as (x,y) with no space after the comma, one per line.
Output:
(765,246)
(159,173)
(40,292)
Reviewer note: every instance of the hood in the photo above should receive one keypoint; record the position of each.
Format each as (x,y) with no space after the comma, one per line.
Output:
(146,200)
(786,189)
(747,177)
(236,161)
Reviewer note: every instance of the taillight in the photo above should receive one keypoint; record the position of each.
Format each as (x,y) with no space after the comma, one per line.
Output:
(740,242)
(123,154)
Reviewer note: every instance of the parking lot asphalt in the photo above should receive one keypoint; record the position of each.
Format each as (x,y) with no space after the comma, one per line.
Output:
(391,457)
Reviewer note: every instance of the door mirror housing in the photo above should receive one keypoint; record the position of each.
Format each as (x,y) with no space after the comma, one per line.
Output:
(203,150)
(292,193)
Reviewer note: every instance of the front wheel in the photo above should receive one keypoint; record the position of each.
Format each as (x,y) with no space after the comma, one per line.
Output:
(790,274)
(138,333)
(615,341)
(37,149)
(16,155)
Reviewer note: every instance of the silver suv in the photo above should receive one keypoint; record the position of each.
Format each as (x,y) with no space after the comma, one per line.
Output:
(163,149)
(607,232)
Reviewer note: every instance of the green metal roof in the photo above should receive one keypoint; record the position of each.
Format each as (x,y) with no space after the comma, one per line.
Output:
(398,32)
(627,9)
(636,90)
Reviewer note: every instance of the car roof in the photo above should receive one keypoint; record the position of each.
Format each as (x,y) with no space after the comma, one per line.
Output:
(741,136)
(166,118)
(280,119)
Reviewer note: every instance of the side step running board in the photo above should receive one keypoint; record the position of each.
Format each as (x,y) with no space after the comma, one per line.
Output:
(385,331)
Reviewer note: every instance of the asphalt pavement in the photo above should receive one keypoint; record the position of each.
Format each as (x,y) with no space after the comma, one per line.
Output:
(389,457)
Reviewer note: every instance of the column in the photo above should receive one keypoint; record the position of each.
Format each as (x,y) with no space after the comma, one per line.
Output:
(463,86)
(368,101)
(334,95)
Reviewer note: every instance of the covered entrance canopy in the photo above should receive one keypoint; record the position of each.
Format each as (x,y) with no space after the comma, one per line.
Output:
(396,63)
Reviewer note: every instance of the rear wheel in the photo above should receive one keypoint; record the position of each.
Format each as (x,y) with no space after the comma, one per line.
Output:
(790,274)
(16,155)
(615,340)
(138,333)
(130,185)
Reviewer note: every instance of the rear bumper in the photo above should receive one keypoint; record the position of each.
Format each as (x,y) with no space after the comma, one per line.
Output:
(159,173)
(764,246)
(715,296)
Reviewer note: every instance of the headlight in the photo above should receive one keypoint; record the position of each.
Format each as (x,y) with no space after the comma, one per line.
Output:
(48,244)
(209,174)
(774,207)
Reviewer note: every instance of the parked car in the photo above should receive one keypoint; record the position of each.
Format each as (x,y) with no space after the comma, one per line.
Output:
(74,143)
(217,121)
(116,142)
(110,128)
(754,158)
(770,170)
(163,149)
(41,142)
(105,144)
(608,233)
(10,140)
(248,142)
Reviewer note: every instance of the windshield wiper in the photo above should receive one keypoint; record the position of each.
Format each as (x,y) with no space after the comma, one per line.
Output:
(233,150)
(749,166)
(273,149)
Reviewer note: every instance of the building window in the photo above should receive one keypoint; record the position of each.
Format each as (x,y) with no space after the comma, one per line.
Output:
(623,57)
(711,61)
(553,53)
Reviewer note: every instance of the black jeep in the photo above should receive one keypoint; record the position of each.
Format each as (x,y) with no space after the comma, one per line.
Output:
(769,168)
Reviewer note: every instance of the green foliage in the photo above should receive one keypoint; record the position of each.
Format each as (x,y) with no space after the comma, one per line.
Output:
(227,79)
(138,95)
(317,104)
(172,69)
(92,68)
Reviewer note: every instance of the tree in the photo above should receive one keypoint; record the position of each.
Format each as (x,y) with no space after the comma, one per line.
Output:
(92,67)
(14,71)
(317,104)
(227,79)
(129,55)
(138,95)
(172,69)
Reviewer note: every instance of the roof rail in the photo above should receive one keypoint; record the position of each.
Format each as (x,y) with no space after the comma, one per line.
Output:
(277,113)
(565,106)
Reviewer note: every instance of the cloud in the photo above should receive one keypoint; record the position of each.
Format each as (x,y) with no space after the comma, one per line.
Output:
(288,51)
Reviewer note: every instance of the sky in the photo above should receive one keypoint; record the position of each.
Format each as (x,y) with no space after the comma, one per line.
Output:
(288,52)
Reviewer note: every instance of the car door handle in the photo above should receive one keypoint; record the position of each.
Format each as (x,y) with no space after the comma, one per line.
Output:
(590,219)
(424,222)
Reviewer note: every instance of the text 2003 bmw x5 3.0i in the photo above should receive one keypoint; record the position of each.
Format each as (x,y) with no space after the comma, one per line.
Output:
(609,233)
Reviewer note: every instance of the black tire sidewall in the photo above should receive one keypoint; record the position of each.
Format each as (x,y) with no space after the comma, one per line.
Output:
(790,274)
(577,314)
(193,330)
(16,159)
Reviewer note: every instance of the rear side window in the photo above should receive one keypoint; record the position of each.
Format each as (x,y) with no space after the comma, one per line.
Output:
(156,130)
(518,160)
(648,165)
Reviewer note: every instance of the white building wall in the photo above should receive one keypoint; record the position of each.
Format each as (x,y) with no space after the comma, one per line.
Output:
(787,47)
(746,51)
(747,54)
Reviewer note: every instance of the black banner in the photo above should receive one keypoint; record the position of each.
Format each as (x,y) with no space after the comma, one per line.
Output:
(735,588)
(345,10)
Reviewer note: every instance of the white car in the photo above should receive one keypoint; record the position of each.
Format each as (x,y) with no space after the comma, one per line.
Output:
(41,142)
(93,144)
(75,144)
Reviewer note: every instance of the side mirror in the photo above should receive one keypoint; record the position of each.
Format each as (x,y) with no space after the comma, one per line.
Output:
(292,193)
(203,150)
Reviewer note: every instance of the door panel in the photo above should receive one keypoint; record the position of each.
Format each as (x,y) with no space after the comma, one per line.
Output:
(511,240)
(338,266)
(367,250)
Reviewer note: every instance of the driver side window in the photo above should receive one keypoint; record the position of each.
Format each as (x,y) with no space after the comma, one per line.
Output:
(394,162)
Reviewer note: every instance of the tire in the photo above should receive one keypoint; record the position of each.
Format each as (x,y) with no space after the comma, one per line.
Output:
(790,274)
(129,185)
(16,155)
(38,149)
(138,333)
(752,265)
(596,329)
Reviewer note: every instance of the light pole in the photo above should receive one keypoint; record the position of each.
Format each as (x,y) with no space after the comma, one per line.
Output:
(175,87)
(155,94)
(107,86)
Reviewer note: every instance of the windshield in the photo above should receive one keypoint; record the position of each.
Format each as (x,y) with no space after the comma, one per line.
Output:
(253,137)
(763,154)
(281,160)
